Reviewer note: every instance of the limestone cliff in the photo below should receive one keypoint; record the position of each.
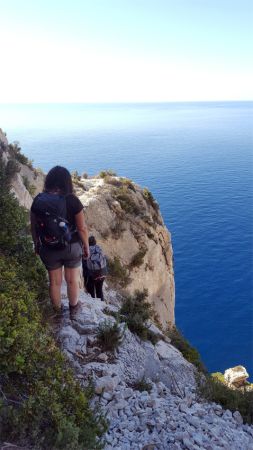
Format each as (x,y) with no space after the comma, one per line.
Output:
(25,180)
(128,224)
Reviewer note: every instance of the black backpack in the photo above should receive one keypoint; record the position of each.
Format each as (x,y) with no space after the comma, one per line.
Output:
(52,226)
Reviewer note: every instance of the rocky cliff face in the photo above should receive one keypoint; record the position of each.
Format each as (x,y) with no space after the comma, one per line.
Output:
(25,180)
(127,223)
(168,414)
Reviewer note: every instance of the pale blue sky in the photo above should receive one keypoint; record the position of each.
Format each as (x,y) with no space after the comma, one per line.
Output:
(126,50)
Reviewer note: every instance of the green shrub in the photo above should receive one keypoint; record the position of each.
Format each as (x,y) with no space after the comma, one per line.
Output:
(128,183)
(219,377)
(152,337)
(107,172)
(117,229)
(117,272)
(150,199)
(112,180)
(189,352)
(216,391)
(109,335)
(15,152)
(142,385)
(126,201)
(12,167)
(136,312)
(30,187)
(137,259)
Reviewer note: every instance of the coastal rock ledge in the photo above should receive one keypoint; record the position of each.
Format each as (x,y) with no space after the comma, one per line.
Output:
(127,222)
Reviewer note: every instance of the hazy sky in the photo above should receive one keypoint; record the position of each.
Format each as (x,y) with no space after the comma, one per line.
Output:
(125,50)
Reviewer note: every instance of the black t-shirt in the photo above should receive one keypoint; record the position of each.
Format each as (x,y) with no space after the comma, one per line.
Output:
(73,206)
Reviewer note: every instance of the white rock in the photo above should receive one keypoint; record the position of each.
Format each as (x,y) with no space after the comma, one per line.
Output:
(108,396)
(128,392)
(165,351)
(236,375)
(192,421)
(237,416)
(106,384)
(102,357)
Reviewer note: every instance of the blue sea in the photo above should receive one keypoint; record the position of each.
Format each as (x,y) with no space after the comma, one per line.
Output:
(197,160)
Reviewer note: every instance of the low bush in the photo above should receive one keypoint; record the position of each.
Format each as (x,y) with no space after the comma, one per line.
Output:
(30,187)
(128,183)
(109,335)
(214,390)
(142,385)
(117,228)
(137,259)
(150,199)
(136,311)
(108,172)
(219,377)
(15,152)
(117,272)
(152,337)
(189,352)
(12,167)
(112,180)
(126,201)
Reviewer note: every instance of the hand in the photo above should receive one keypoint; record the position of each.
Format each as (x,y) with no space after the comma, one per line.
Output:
(86,252)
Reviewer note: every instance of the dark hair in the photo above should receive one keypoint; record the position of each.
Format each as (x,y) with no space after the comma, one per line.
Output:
(92,240)
(59,178)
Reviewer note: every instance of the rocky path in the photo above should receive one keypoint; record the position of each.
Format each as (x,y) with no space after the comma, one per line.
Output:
(168,417)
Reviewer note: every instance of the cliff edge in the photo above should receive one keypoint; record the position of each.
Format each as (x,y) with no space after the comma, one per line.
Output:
(126,221)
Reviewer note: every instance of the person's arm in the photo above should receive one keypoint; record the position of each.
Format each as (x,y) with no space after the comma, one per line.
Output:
(83,232)
(34,233)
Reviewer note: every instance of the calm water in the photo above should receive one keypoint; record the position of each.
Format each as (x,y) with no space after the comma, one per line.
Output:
(197,160)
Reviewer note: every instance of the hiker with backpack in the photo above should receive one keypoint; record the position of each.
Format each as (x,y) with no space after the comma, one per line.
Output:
(95,270)
(60,234)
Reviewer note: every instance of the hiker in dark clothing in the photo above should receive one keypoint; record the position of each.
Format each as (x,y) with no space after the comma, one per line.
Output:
(60,234)
(95,269)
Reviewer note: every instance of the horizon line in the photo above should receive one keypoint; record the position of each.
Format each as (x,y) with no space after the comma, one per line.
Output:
(122,102)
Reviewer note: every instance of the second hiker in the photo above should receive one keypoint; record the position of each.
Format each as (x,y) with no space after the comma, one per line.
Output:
(95,270)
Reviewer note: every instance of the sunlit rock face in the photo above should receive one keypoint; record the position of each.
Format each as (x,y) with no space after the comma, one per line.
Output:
(236,376)
(127,223)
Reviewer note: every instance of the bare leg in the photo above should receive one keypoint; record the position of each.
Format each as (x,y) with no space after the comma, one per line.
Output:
(55,281)
(72,277)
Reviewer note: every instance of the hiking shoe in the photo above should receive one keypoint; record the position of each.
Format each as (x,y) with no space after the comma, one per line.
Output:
(73,310)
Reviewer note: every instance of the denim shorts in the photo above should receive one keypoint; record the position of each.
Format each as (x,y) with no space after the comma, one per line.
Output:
(70,256)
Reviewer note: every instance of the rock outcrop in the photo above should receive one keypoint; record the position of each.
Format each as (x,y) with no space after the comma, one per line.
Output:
(169,414)
(127,223)
(236,376)
(26,181)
